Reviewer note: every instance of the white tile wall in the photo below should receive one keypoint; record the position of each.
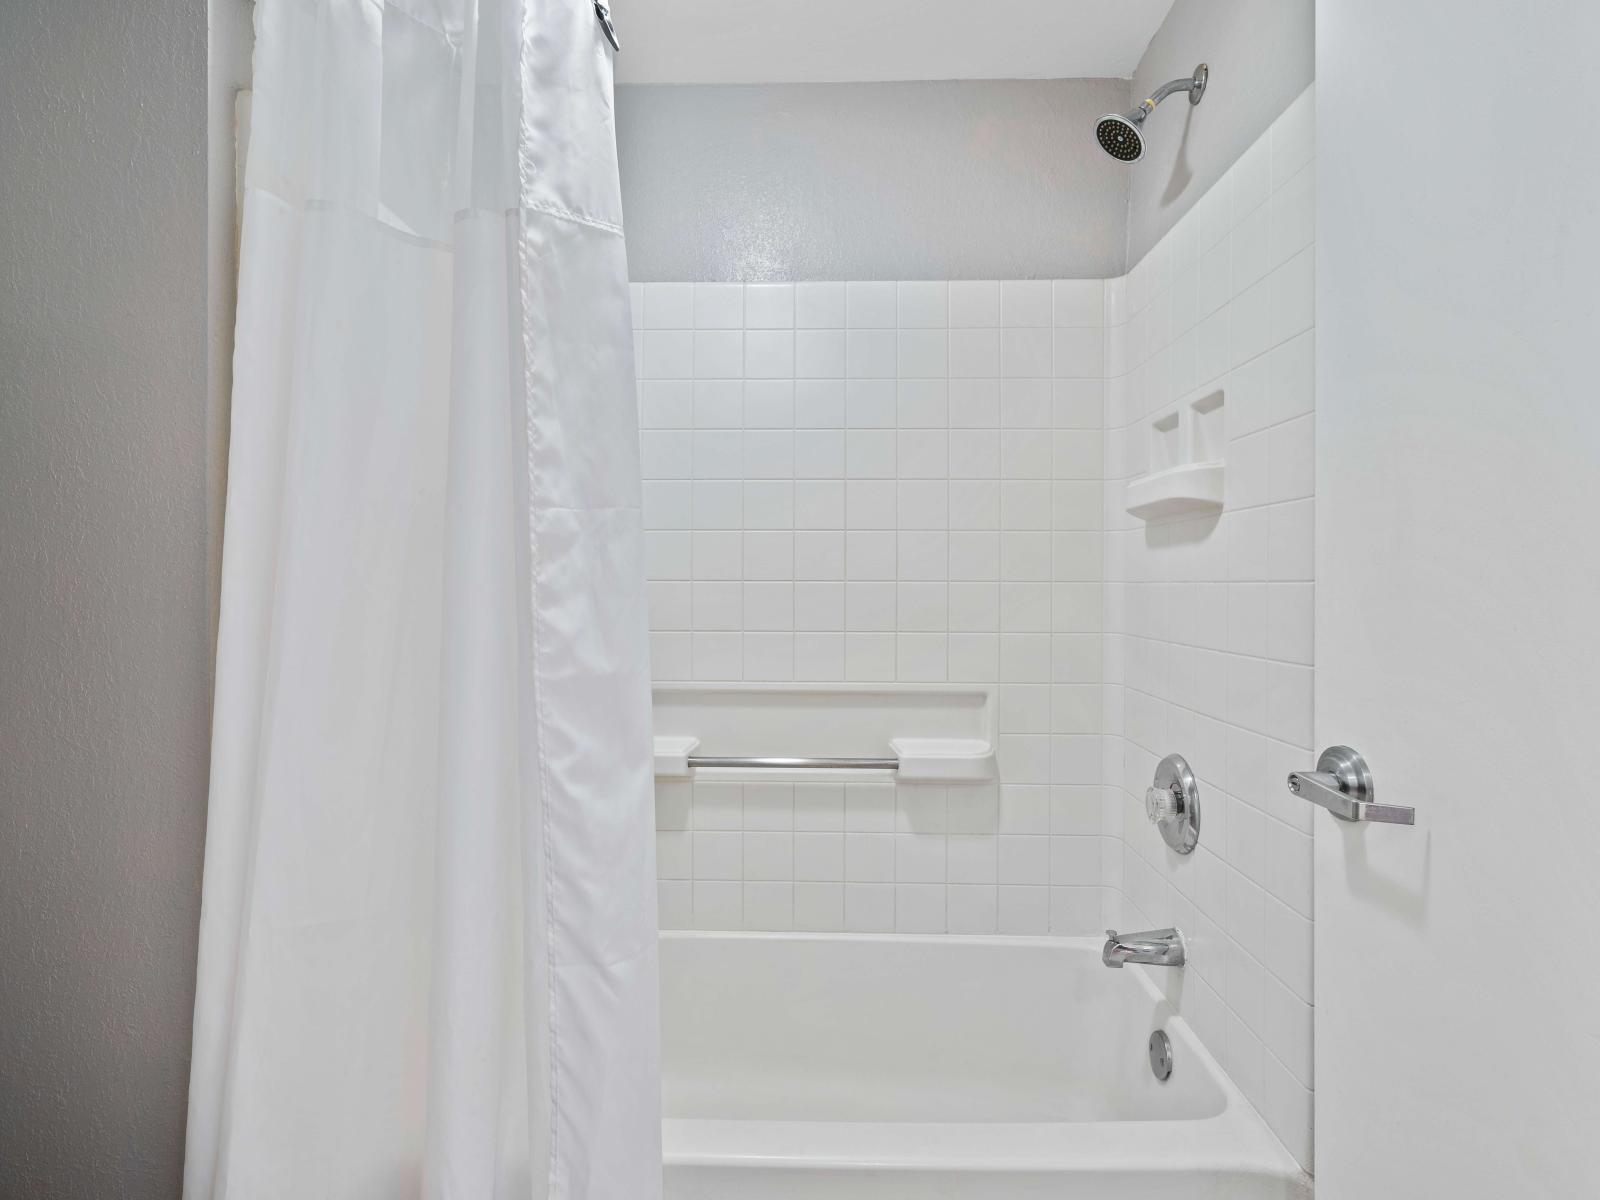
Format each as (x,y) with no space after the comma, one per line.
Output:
(883,482)
(923,482)
(1208,648)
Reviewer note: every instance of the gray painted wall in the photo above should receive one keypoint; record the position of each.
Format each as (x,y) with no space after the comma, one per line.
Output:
(1262,55)
(946,180)
(958,180)
(103,604)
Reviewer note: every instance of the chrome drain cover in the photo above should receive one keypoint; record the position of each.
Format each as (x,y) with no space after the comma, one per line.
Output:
(1161,1055)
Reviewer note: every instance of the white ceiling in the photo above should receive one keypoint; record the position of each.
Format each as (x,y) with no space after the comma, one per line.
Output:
(835,41)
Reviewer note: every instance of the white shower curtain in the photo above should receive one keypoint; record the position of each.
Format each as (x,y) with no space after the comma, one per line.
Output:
(427,946)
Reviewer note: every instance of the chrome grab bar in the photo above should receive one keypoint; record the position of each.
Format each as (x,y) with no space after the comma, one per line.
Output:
(780,764)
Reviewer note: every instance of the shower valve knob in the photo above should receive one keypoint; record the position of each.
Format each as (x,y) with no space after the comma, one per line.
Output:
(1161,805)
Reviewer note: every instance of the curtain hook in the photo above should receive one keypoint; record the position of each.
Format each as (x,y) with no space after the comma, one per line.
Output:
(604,13)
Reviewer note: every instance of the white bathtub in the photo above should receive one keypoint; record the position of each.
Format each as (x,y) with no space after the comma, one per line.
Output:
(940,1068)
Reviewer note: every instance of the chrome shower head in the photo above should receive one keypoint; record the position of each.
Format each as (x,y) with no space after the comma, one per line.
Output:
(1119,137)
(1121,134)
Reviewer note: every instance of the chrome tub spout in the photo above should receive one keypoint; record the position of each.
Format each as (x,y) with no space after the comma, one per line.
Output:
(1153,948)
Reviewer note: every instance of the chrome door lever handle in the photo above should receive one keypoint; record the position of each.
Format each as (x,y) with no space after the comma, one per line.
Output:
(1342,784)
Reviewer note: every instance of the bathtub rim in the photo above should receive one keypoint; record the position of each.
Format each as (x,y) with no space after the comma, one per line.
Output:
(1237,1141)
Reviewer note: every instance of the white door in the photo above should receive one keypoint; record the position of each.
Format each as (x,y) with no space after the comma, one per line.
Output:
(1458,598)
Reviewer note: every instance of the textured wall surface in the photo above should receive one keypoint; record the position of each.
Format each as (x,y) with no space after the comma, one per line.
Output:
(794,182)
(103,663)
(1262,55)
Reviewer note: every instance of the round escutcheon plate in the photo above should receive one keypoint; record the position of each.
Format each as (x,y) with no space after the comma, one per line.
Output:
(1161,1055)
(1174,804)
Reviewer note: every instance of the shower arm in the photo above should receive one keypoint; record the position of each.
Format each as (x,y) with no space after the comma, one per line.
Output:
(1195,85)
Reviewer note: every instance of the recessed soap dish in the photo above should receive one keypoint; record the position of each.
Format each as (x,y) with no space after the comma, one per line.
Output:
(1186,462)
(1195,488)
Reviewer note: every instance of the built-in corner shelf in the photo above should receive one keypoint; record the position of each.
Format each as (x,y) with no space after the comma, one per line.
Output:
(835,732)
(1187,473)
(1193,488)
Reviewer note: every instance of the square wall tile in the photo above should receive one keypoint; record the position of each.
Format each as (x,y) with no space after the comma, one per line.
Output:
(974,305)
(769,305)
(819,305)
